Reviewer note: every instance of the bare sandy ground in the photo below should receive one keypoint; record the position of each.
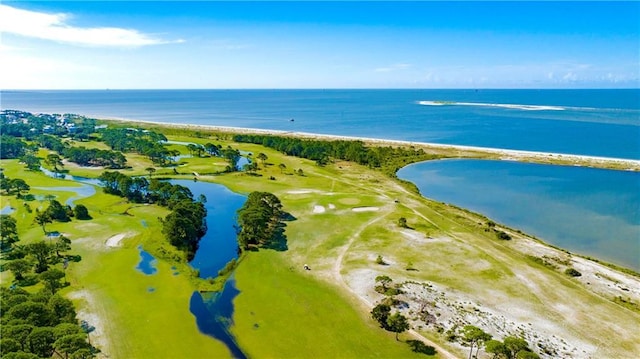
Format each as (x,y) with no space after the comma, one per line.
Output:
(365,209)
(300,191)
(319,209)
(93,313)
(114,241)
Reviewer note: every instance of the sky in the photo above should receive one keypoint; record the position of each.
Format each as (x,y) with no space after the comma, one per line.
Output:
(294,44)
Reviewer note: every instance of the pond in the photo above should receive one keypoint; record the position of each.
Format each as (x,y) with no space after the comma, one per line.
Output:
(588,211)
(7,210)
(147,264)
(214,311)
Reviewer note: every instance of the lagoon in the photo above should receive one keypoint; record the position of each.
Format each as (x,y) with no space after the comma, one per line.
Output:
(587,211)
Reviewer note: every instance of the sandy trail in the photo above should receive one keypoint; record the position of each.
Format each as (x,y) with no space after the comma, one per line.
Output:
(339,279)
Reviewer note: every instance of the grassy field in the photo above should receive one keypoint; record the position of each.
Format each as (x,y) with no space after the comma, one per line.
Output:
(346,215)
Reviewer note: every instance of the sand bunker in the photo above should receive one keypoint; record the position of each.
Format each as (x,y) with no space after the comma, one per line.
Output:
(115,240)
(300,191)
(318,209)
(365,209)
(331,206)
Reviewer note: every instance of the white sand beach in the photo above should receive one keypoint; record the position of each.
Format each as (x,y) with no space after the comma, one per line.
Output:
(503,154)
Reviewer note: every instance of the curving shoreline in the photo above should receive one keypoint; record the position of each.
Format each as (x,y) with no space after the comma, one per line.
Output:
(460,150)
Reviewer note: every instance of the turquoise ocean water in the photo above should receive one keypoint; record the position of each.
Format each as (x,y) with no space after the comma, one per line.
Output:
(588,122)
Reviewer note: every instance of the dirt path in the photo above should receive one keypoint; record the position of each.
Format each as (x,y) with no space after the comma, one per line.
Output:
(339,279)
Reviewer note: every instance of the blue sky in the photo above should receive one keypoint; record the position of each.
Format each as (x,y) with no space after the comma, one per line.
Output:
(149,44)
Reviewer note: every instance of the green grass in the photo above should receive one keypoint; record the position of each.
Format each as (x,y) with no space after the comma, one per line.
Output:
(287,313)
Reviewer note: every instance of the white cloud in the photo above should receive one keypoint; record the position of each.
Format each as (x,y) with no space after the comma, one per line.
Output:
(394,67)
(54,27)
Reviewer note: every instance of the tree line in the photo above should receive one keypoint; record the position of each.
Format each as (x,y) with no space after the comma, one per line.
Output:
(388,159)
(144,142)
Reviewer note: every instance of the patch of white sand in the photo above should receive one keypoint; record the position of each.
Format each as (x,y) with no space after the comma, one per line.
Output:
(332,206)
(365,209)
(115,240)
(318,209)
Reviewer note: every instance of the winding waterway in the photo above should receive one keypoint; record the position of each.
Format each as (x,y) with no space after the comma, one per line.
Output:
(588,211)
(213,312)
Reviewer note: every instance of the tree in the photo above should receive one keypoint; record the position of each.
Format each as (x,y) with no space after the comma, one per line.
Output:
(58,212)
(42,218)
(40,251)
(250,167)
(262,157)
(380,313)
(66,313)
(474,335)
(19,333)
(41,341)
(496,348)
(150,170)
(19,267)
(81,212)
(282,167)
(70,344)
(232,156)
(51,279)
(397,323)
(16,185)
(523,354)
(212,149)
(8,345)
(54,160)
(31,162)
(11,147)
(36,314)
(384,281)
(8,231)
(514,345)
(402,222)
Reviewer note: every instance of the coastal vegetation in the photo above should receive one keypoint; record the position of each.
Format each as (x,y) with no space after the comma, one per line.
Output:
(341,215)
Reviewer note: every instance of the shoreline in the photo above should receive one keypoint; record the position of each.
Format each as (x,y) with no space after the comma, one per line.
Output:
(502,154)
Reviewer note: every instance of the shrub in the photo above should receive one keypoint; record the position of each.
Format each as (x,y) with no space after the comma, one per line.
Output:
(81,212)
(572,272)
(502,235)
(380,261)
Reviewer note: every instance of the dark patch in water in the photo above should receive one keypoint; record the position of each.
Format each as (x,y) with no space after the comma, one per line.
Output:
(147,263)
(213,315)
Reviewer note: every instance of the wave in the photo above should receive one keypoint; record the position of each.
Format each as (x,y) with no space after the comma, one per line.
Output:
(502,105)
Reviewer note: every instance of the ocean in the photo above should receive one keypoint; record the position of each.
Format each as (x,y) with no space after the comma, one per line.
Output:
(583,122)
(587,122)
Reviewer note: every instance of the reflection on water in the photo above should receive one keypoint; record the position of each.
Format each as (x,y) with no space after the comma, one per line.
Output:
(214,313)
